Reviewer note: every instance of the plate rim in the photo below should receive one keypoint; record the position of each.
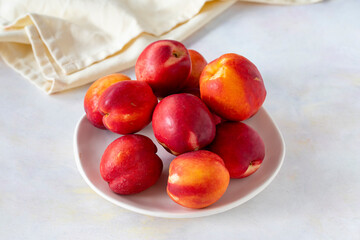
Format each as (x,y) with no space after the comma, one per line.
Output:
(179,215)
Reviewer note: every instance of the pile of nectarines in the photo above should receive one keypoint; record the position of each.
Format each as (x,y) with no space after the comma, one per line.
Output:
(195,109)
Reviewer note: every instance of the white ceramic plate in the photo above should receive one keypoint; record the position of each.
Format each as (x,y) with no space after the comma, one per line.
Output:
(91,142)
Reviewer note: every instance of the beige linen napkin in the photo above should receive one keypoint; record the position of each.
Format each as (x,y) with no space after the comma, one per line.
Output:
(61,44)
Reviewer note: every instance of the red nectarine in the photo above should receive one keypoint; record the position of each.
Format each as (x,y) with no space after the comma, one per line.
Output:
(127,106)
(164,65)
(240,146)
(91,100)
(130,164)
(182,123)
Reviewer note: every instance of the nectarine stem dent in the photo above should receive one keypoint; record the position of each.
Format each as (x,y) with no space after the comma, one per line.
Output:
(164,65)
(240,146)
(182,123)
(130,164)
(197,179)
(232,87)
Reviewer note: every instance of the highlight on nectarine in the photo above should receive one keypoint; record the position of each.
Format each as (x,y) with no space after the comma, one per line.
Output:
(240,146)
(91,100)
(130,164)
(232,87)
(164,65)
(182,123)
(197,179)
(127,106)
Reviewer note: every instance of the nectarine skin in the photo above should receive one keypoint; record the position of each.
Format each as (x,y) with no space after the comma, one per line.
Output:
(130,164)
(197,179)
(164,65)
(193,91)
(240,146)
(182,123)
(232,87)
(217,119)
(198,63)
(127,106)
(91,100)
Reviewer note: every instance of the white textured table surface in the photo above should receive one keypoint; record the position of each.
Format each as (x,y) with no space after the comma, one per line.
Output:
(309,57)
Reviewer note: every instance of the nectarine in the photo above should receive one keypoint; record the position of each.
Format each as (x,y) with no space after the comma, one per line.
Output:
(197,179)
(127,106)
(130,164)
(232,87)
(182,123)
(198,63)
(164,65)
(240,146)
(91,100)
